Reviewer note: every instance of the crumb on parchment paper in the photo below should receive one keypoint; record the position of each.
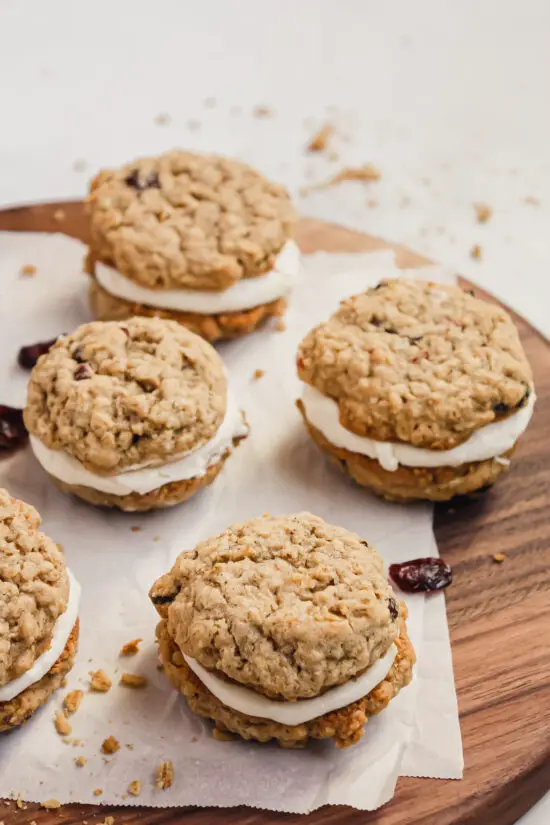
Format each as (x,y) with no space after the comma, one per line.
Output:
(98,791)
(262,111)
(475,252)
(72,701)
(162,119)
(319,141)
(62,724)
(134,787)
(28,269)
(110,745)
(100,682)
(367,173)
(483,212)
(80,761)
(133,680)
(257,374)
(136,528)
(164,776)
(130,648)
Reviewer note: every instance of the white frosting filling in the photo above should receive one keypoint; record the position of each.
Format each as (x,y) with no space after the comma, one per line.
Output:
(142,480)
(45,662)
(487,442)
(252,703)
(245,294)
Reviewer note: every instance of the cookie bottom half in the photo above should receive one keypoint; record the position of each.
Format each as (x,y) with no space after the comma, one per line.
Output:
(345,726)
(410,483)
(223,326)
(18,710)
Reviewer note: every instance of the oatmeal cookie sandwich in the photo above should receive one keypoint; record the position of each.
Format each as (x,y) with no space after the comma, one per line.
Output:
(199,239)
(283,628)
(39,601)
(135,415)
(417,390)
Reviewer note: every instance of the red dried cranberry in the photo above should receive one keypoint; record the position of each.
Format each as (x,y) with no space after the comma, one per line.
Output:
(392,607)
(13,433)
(28,356)
(134,180)
(421,574)
(83,371)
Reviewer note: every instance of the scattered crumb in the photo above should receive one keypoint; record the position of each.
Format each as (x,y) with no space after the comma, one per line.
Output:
(498,557)
(98,791)
(210,102)
(257,374)
(80,761)
(130,747)
(483,212)
(133,680)
(280,326)
(28,269)
(163,119)
(62,724)
(319,141)
(368,172)
(193,125)
(100,682)
(222,735)
(194,739)
(134,787)
(59,215)
(262,111)
(72,701)
(372,204)
(475,252)
(130,648)
(136,528)
(156,538)
(531,200)
(80,165)
(51,804)
(110,745)
(165,776)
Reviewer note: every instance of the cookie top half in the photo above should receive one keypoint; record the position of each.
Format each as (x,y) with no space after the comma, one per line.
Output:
(288,605)
(34,587)
(417,362)
(127,394)
(186,220)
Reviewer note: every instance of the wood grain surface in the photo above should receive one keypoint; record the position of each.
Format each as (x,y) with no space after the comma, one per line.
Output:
(499,616)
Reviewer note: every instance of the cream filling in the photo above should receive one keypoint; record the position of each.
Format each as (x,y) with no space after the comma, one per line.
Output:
(245,294)
(299,711)
(490,441)
(142,480)
(47,660)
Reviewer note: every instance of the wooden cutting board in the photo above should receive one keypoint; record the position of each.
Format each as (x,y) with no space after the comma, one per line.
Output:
(499,617)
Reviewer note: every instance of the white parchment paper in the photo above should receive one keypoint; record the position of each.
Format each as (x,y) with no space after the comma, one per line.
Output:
(278,470)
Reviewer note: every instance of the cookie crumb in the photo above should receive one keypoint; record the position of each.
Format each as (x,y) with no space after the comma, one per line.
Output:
(257,374)
(110,745)
(156,538)
(483,212)
(165,776)
(136,528)
(498,557)
(475,252)
(133,680)
(372,204)
(262,111)
(98,791)
(62,724)
(80,165)
(280,326)
(80,761)
(130,648)
(134,787)
(531,200)
(162,119)
(222,735)
(28,269)
(72,701)
(319,141)
(100,682)
(366,173)
(59,215)
(51,804)
(130,747)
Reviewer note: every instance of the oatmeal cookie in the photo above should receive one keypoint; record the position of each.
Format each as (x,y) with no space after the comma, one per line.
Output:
(186,220)
(417,362)
(34,588)
(120,395)
(217,327)
(345,725)
(289,606)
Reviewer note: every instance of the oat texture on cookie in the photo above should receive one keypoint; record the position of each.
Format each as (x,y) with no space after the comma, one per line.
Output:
(417,362)
(120,395)
(187,220)
(289,606)
(34,587)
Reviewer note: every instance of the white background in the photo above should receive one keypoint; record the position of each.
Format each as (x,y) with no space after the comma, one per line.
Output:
(450,100)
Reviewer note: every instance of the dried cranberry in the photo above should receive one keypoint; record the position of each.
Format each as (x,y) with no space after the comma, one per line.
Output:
(392,607)
(28,356)
(134,180)
(421,574)
(13,433)
(83,371)
(501,408)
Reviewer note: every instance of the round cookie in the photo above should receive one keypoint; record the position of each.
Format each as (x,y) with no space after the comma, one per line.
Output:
(34,594)
(194,229)
(290,608)
(134,415)
(416,389)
